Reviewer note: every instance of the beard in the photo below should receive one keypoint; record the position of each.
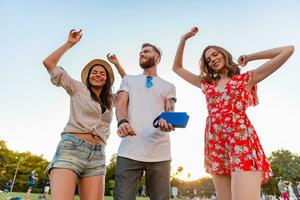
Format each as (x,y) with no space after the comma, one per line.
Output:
(150,62)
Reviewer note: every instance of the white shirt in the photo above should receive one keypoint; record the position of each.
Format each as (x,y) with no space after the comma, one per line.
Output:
(145,104)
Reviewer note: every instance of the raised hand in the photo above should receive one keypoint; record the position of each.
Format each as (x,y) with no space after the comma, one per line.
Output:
(113,59)
(190,34)
(243,60)
(74,36)
(51,61)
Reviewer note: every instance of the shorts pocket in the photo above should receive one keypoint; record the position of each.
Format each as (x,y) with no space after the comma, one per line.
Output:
(69,142)
(100,154)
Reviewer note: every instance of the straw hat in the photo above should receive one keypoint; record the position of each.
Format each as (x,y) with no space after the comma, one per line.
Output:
(100,62)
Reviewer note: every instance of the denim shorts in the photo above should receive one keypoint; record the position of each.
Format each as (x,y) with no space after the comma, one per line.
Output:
(80,156)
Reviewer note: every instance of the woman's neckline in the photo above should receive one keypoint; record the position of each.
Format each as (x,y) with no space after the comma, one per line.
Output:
(221,86)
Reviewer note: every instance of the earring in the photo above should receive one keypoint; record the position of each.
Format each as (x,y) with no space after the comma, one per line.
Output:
(215,75)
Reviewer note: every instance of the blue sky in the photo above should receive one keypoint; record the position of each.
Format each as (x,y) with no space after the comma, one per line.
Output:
(34,112)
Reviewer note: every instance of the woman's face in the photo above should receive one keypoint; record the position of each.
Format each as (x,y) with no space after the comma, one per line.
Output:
(215,59)
(98,76)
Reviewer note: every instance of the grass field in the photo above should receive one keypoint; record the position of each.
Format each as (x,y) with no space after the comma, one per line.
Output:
(36,196)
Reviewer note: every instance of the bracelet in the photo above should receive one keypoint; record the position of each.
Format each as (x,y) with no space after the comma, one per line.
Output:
(122,121)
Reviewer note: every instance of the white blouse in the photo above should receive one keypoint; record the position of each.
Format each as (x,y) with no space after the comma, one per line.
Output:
(85,113)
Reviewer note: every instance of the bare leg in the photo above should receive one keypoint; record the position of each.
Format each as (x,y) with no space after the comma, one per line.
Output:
(28,193)
(223,186)
(246,185)
(63,184)
(29,190)
(92,188)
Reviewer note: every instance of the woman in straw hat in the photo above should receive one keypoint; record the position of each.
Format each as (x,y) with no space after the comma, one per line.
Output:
(80,155)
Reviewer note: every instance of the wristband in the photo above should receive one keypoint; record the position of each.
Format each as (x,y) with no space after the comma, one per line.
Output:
(122,121)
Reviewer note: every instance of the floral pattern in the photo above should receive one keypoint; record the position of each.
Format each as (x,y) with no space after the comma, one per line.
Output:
(231,142)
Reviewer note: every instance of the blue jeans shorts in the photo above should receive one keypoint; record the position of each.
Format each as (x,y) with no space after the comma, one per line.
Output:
(80,156)
(31,184)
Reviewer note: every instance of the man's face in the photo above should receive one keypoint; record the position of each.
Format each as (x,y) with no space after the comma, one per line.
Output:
(148,57)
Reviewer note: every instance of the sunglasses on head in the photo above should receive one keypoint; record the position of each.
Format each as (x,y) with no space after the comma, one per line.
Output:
(149,82)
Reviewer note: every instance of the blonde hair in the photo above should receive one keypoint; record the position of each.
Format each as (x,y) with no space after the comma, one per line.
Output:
(208,74)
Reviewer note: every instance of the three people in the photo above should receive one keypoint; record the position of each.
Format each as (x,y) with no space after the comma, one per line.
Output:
(233,153)
(80,155)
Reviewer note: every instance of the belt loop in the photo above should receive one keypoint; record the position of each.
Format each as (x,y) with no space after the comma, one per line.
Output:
(81,141)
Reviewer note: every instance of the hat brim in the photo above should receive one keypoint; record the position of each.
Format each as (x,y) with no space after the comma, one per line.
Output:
(100,62)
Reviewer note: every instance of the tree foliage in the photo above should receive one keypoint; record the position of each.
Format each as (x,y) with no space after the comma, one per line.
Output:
(203,186)
(21,164)
(110,175)
(284,164)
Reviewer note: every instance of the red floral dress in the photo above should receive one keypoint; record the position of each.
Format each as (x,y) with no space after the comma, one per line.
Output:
(231,143)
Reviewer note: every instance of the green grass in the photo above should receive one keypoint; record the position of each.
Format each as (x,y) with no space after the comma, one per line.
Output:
(35,196)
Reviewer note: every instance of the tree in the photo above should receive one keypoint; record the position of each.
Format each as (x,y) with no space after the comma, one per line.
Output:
(9,161)
(179,170)
(205,186)
(189,175)
(110,175)
(175,181)
(284,164)
(109,187)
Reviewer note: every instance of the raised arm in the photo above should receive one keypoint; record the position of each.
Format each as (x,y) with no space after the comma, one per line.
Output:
(177,65)
(51,61)
(277,56)
(114,60)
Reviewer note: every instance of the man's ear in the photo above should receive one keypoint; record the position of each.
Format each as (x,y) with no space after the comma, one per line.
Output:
(157,59)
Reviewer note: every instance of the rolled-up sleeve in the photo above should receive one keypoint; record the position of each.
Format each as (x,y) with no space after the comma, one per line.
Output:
(60,77)
(114,100)
(172,93)
(124,85)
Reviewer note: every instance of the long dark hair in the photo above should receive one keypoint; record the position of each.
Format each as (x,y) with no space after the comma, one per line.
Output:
(105,97)
(208,74)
